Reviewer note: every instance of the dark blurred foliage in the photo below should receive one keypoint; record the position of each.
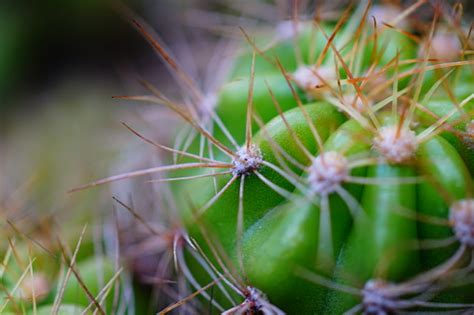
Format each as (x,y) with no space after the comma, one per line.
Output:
(40,41)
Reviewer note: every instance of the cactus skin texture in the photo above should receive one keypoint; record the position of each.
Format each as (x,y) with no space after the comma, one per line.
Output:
(358,230)
(343,178)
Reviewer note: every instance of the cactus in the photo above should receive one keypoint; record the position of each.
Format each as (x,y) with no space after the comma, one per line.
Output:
(331,173)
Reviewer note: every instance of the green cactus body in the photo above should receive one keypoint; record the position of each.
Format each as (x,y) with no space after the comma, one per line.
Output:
(281,236)
(282,46)
(347,158)
(457,112)
(376,242)
(353,232)
(234,94)
(325,116)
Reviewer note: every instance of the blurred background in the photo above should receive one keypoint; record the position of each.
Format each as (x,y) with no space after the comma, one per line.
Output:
(60,63)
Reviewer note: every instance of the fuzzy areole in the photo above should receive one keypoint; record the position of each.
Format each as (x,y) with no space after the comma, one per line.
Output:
(396,144)
(462,218)
(327,171)
(247,160)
